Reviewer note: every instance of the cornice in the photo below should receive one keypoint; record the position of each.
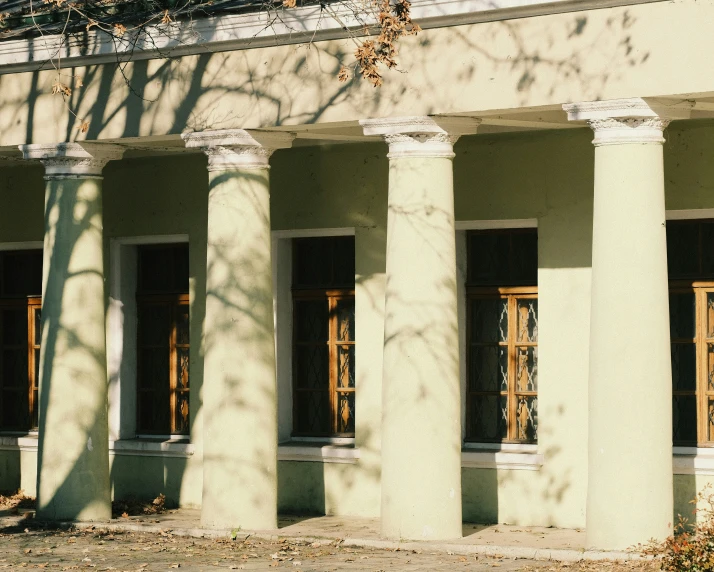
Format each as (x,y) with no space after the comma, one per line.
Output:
(256,30)
(229,149)
(72,160)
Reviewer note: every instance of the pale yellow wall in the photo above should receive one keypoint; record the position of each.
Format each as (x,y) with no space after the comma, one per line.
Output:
(546,175)
(548,60)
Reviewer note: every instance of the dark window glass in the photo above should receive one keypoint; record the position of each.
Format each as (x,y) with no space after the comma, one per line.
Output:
(163,269)
(502,336)
(324,262)
(20,335)
(503,258)
(163,340)
(21,273)
(324,336)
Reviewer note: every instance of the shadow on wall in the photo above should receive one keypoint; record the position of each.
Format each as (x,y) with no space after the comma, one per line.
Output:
(216,90)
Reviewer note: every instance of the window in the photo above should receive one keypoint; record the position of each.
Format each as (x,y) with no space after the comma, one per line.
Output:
(20,334)
(690,256)
(162,340)
(502,336)
(324,337)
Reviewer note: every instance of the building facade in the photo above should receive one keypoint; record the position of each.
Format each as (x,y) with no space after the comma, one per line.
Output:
(482,292)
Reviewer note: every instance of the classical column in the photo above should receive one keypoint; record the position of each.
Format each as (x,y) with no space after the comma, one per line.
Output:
(239,391)
(421,418)
(629,496)
(73,455)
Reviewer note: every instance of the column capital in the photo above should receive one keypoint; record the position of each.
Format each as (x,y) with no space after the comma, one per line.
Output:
(237,148)
(420,136)
(623,121)
(72,160)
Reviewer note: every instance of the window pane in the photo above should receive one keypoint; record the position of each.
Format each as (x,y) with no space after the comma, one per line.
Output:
(37,316)
(14,369)
(489,368)
(710,419)
(182,368)
(489,417)
(710,367)
(22,273)
(327,262)
(710,315)
(682,314)
(311,320)
(312,367)
(346,412)
(527,419)
(503,258)
(182,413)
(312,409)
(488,258)
(154,369)
(524,257)
(153,412)
(154,324)
(346,320)
(527,320)
(163,268)
(682,249)
(527,369)
(182,325)
(312,262)
(684,419)
(14,326)
(707,248)
(35,410)
(14,410)
(684,367)
(345,366)
(344,261)
(489,319)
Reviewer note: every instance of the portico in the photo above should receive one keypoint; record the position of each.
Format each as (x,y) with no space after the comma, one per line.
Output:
(482,294)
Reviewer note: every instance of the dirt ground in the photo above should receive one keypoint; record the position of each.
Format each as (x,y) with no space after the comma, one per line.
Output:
(38,548)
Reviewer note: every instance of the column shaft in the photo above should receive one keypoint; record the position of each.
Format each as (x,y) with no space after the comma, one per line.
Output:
(73,457)
(421,420)
(630,391)
(239,392)
(421,417)
(630,496)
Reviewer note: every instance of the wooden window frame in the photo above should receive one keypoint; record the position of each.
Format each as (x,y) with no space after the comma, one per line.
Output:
(512,294)
(701,393)
(333,296)
(173,301)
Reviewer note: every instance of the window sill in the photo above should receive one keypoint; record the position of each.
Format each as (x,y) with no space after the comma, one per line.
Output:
(508,456)
(693,461)
(323,451)
(20,442)
(151,448)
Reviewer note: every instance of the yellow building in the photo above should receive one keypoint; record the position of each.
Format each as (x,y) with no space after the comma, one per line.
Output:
(481,292)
